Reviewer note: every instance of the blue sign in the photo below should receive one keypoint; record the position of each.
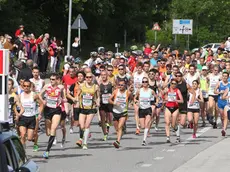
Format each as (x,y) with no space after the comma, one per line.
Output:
(184,21)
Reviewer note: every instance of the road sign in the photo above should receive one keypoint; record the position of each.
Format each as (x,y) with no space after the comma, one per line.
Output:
(182,26)
(156,27)
(79,23)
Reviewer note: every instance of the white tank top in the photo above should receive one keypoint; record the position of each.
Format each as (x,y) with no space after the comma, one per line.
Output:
(196,104)
(145,98)
(122,99)
(38,84)
(213,81)
(137,80)
(190,78)
(28,104)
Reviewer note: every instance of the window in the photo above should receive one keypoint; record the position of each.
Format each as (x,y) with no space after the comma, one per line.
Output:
(10,157)
(20,152)
(216,45)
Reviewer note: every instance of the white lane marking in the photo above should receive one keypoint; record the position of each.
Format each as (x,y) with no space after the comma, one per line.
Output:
(171,150)
(158,158)
(198,134)
(163,150)
(146,165)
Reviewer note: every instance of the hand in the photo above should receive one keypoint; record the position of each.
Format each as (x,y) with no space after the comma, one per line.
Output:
(39,117)
(16,118)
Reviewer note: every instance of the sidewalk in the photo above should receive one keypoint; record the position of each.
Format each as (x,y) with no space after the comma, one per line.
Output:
(214,159)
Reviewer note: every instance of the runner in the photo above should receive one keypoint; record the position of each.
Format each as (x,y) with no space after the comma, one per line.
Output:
(89,99)
(27,120)
(14,102)
(219,90)
(172,99)
(143,100)
(213,78)
(204,89)
(119,100)
(106,90)
(184,88)
(226,96)
(192,75)
(137,79)
(52,111)
(194,106)
(72,94)
(38,85)
(68,80)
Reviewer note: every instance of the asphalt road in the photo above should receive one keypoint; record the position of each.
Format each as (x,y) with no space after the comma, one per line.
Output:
(157,156)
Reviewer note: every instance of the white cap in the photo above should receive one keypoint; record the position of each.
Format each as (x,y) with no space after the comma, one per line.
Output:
(204,68)
(98,60)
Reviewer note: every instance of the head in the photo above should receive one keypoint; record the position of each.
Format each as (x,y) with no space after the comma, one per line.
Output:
(80,76)
(47,36)
(104,76)
(151,74)
(155,55)
(102,68)
(27,86)
(139,67)
(121,85)
(195,84)
(163,62)
(18,64)
(192,69)
(146,67)
(179,76)
(121,69)
(29,63)
(110,70)
(21,81)
(54,79)
(87,70)
(72,72)
(10,84)
(89,78)
(35,72)
(202,60)
(216,70)
(145,82)
(173,83)
(225,76)
(175,70)
(204,71)
(179,63)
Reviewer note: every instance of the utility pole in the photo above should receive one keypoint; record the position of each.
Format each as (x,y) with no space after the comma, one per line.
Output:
(69,28)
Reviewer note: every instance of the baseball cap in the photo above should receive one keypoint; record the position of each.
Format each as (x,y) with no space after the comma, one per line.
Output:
(204,68)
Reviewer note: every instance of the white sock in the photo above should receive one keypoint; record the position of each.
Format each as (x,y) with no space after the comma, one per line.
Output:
(145,133)
(86,135)
(178,131)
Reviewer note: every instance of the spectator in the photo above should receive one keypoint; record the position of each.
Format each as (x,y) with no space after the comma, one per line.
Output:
(19,31)
(43,54)
(26,73)
(76,48)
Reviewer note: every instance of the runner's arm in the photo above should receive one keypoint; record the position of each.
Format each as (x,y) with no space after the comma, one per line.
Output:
(111,98)
(215,90)
(136,96)
(181,100)
(18,104)
(201,99)
(42,93)
(225,95)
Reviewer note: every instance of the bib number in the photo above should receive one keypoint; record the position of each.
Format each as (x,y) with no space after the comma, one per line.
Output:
(52,102)
(105,98)
(171,97)
(87,100)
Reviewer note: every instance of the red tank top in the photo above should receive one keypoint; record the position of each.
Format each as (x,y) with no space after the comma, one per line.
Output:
(53,99)
(172,97)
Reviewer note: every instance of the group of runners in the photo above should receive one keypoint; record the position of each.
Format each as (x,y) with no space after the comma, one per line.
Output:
(184,89)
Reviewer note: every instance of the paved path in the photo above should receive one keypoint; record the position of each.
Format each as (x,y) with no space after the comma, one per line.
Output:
(157,156)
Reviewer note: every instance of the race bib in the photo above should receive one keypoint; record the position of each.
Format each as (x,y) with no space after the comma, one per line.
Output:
(171,97)
(196,105)
(144,101)
(52,102)
(205,94)
(87,100)
(122,102)
(105,98)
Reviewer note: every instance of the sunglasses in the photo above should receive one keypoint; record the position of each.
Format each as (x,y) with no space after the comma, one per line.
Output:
(52,79)
(178,62)
(151,73)
(162,63)
(27,86)
(121,85)
(88,77)
(110,70)
(174,83)
(121,69)
(144,81)
(178,75)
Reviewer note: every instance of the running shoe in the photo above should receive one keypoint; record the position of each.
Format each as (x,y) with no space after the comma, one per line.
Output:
(79,143)
(191,125)
(71,131)
(99,123)
(137,131)
(90,135)
(116,144)
(84,147)
(105,137)
(178,140)
(156,129)
(107,128)
(194,136)
(203,124)
(55,141)
(63,143)
(46,155)
(168,140)
(211,120)
(223,133)
(144,143)
(35,148)
(214,125)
